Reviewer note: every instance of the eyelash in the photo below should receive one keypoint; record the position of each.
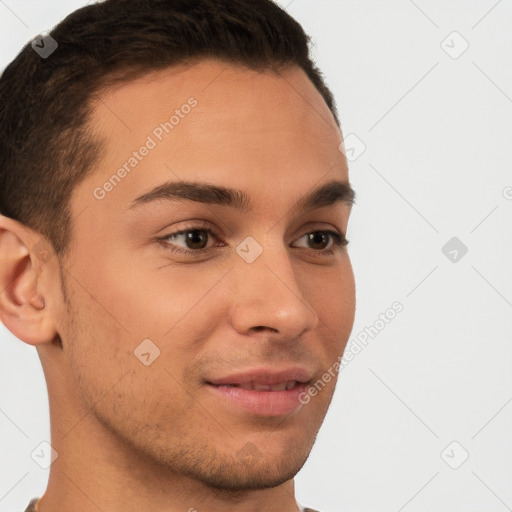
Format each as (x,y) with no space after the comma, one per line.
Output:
(339,241)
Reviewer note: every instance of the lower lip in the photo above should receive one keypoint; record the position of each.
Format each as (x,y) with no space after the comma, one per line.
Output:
(262,403)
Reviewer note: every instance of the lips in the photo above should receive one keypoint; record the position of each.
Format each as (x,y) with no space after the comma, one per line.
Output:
(255,386)
(262,392)
(265,379)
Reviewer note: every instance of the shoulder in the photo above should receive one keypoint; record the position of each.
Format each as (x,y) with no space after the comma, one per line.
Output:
(32,506)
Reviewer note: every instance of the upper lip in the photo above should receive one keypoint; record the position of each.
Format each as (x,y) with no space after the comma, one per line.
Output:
(265,376)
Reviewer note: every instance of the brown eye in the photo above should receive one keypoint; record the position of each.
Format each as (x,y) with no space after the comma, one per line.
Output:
(196,239)
(190,240)
(321,240)
(318,240)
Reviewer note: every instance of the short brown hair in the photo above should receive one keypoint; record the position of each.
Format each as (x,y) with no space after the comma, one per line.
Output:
(46,146)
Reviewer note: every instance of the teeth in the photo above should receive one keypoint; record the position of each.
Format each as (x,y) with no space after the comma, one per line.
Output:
(279,387)
(261,387)
(282,386)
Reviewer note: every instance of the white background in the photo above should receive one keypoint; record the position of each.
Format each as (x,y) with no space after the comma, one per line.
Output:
(437,165)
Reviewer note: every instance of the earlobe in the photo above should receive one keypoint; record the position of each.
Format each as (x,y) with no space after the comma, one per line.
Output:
(22,304)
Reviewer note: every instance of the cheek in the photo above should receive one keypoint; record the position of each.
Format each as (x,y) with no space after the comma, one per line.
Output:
(98,346)
(158,302)
(112,381)
(332,296)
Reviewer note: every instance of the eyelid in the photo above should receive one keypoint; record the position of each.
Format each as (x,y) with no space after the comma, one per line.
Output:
(199,225)
(338,238)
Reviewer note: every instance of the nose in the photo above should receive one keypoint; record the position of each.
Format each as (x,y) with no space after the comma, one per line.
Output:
(268,297)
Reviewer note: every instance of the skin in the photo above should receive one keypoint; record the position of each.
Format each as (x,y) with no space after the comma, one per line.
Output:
(131,437)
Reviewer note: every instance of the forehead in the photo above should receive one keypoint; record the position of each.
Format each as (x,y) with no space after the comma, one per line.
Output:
(215,81)
(258,131)
(229,98)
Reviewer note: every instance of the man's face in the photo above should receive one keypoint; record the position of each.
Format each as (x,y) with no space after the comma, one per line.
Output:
(224,310)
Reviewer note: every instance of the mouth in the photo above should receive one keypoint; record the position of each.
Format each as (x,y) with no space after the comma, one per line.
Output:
(262,392)
(255,386)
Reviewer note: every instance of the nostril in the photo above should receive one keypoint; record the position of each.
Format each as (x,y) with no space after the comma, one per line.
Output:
(262,327)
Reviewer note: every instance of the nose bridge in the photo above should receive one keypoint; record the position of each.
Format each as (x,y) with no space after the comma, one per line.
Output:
(268,294)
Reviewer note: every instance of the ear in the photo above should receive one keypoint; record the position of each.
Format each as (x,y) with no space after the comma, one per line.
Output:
(24,257)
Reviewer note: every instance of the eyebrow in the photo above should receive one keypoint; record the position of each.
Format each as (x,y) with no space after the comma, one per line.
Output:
(328,194)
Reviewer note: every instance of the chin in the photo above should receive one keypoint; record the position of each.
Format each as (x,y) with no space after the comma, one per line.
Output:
(251,469)
(255,475)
